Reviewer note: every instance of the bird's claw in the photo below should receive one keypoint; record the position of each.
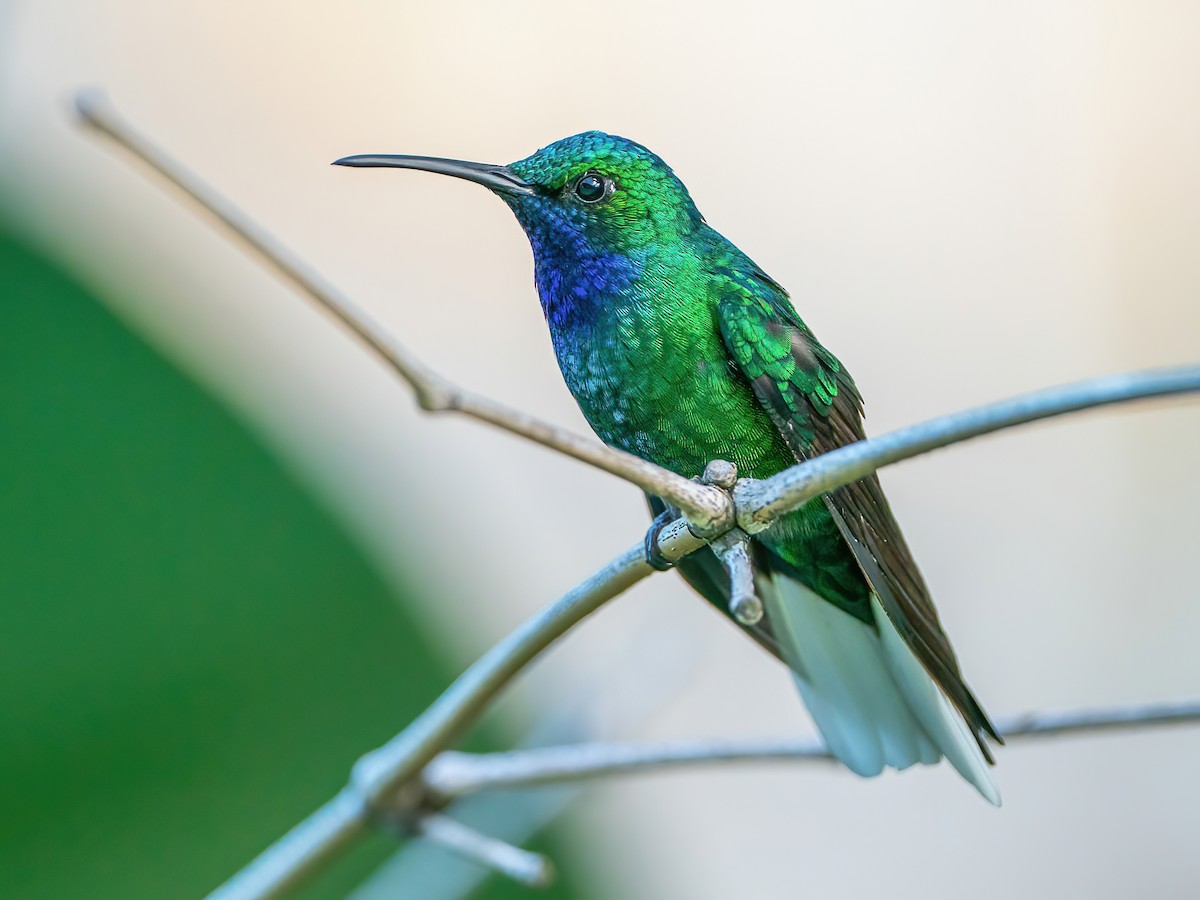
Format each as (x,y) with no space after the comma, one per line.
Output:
(654,554)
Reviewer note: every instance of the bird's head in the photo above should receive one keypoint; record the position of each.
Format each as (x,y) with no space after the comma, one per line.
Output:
(588,195)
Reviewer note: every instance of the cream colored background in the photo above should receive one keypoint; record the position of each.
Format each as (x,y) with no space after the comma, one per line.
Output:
(966,200)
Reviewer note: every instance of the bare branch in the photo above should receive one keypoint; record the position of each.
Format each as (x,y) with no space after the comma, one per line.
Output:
(302,851)
(733,549)
(759,503)
(708,509)
(528,868)
(454,774)
(383,771)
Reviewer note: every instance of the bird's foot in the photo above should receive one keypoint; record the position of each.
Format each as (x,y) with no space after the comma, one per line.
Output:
(654,554)
(718,473)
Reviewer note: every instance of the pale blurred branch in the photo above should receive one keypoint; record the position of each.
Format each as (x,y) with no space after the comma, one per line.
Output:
(454,774)
(528,868)
(388,782)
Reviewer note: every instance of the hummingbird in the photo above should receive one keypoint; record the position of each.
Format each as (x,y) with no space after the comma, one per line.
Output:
(680,349)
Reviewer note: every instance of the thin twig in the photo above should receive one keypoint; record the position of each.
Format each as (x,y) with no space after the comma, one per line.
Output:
(759,503)
(454,774)
(531,869)
(708,509)
(733,550)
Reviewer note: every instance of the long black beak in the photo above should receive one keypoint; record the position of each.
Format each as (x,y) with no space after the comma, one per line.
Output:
(497,178)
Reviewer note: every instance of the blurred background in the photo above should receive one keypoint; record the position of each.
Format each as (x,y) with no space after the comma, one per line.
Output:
(233,557)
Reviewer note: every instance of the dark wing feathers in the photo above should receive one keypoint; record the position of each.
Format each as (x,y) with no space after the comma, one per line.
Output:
(813,402)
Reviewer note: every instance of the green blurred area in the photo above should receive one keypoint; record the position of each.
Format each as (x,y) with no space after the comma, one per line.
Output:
(192,652)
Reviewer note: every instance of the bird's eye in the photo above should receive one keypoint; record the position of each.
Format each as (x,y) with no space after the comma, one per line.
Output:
(592,188)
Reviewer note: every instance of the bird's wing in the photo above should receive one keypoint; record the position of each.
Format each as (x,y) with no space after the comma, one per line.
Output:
(813,402)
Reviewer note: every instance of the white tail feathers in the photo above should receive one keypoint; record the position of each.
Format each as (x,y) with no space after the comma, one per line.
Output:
(873,701)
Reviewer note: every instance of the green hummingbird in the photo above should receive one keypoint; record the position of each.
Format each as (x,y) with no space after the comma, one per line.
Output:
(680,349)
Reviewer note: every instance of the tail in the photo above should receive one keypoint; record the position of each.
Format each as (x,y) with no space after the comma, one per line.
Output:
(871,698)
